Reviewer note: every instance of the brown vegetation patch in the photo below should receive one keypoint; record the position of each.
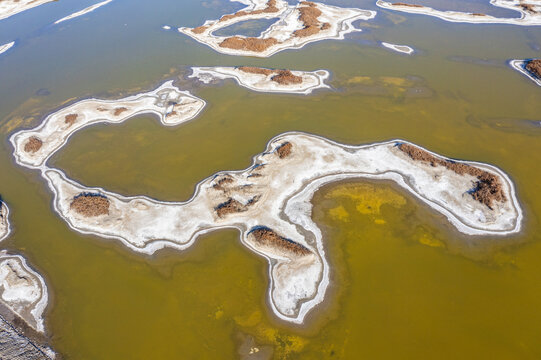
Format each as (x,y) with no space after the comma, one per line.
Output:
(479,14)
(33,144)
(199,29)
(528,7)
(309,14)
(90,204)
(172,113)
(267,237)
(269,9)
(534,67)
(70,119)
(286,77)
(119,111)
(488,187)
(404,4)
(248,43)
(284,150)
(229,207)
(219,185)
(256,70)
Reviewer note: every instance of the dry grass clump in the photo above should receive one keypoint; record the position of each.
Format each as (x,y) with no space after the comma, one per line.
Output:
(221,183)
(233,206)
(267,237)
(248,43)
(479,14)
(90,204)
(488,188)
(286,77)
(70,119)
(269,9)
(309,14)
(534,67)
(199,29)
(404,4)
(284,150)
(119,111)
(33,144)
(256,70)
(528,7)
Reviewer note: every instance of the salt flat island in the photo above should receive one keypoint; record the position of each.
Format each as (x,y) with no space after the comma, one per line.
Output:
(530,68)
(530,12)
(11,7)
(296,26)
(269,202)
(404,49)
(6,47)
(265,80)
(4,221)
(84,11)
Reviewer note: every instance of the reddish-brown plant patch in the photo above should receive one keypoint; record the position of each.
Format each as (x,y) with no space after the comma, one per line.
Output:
(267,237)
(33,144)
(284,150)
(90,204)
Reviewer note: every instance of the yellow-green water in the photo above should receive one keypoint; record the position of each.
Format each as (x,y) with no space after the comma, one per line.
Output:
(405,284)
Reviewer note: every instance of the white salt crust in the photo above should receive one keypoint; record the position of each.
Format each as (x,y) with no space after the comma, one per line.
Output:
(404,49)
(340,20)
(22,290)
(274,192)
(4,221)
(6,47)
(519,65)
(311,80)
(527,18)
(11,7)
(84,11)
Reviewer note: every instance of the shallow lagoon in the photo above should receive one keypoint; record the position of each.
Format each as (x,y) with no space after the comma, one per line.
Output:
(405,283)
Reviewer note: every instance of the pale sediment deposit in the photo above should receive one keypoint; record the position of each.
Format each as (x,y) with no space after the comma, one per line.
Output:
(4,220)
(530,12)
(11,7)
(296,26)
(266,80)
(172,106)
(530,68)
(84,11)
(270,202)
(22,290)
(404,49)
(6,47)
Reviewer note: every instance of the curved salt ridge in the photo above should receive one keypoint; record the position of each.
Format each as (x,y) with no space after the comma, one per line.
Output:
(4,221)
(311,80)
(169,103)
(83,12)
(526,18)
(398,48)
(22,290)
(340,20)
(6,47)
(298,283)
(519,65)
(11,7)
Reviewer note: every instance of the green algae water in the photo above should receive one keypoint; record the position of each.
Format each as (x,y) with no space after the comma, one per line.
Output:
(405,284)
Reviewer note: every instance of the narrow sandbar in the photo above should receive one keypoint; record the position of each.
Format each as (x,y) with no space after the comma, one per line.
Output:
(266,80)
(84,11)
(530,14)
(404,49)
(6,47)
(11,7)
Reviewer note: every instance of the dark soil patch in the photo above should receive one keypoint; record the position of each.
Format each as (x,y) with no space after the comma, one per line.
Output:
(267,237)
(528,7)
(284,150)
(90,204)
(70,119)
(534,67)
(248,43)
(119,111)
(488,188)
(285,77)
(33,144)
